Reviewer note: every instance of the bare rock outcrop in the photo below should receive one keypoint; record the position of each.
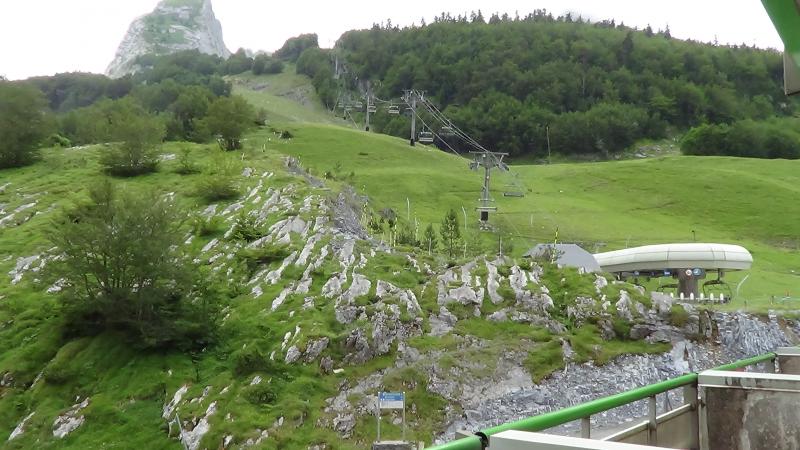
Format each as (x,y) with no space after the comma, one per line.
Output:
(172,27)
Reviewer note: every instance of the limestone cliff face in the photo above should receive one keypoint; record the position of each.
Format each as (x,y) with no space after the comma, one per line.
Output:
(173,26)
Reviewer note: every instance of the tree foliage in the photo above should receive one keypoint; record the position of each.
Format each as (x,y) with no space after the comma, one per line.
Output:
(450,232)
(778,138)
(238,63)
(294,47)
(315,63)
(429,239)
(24,123)
(228,118)
(598,87)
(136,137)
(265,64)
(122,270)
(68,91)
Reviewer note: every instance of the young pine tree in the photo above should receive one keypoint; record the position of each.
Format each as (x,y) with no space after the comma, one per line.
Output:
(429,238)
(450,232)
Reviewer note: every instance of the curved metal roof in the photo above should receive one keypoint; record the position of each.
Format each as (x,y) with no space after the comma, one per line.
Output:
(676,256)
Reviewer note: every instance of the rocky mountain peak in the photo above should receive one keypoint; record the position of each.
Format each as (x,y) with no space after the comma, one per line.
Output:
(174,25)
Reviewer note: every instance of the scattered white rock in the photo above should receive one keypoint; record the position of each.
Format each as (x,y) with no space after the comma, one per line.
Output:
(20,429)
(23,265)
(169,408)
(275,276)
(191,439)
(600,283)
(213,243)
(24,207)
(70,421)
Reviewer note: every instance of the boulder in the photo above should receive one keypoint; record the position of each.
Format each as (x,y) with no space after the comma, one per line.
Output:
(315,348)
(293,355)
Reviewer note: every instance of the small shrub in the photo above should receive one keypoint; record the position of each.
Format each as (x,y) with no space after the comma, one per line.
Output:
(250,359)
(58,371)
(56,140)
(622,328)
(217,188)
(206,226)
(120,162)
(286,135)
(185,164)
(506,292)
(263,393)
(678,316)
(293,273)
(246,229)
(255,257)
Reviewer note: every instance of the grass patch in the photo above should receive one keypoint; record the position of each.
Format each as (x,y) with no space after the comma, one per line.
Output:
(545,359)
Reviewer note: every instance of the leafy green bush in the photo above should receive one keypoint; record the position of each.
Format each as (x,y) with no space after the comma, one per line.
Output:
(56,140)
(678,317)
(185,164)
(263,393)
(622,328)
(23,123)
(59,370)
(506,292)
(215,188)
(776,138)
(295,46)
(137,135)
(255,257)
(250,359)
(246,228)
(206,226)
(124,271)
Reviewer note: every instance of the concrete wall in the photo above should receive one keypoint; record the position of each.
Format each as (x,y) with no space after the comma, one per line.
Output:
(789,360)
(749,411)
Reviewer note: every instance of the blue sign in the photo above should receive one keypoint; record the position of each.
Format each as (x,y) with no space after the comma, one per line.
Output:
(391,400)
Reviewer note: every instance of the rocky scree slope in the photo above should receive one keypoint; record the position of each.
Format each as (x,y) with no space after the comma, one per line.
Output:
(174,25)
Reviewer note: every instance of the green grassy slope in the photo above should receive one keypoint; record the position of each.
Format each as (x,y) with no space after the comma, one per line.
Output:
(287,97)
(604,206)
(749,202)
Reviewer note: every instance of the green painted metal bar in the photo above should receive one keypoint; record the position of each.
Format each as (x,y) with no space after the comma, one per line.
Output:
(786,18)
(555,418)
(577,412)
(747,362)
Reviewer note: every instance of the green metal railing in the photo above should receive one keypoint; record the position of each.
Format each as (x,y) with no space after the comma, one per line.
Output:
(549,420)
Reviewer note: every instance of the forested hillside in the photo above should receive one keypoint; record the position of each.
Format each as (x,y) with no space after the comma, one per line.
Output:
(599,87)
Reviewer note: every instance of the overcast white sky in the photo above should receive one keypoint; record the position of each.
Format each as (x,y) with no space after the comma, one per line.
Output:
(43,37)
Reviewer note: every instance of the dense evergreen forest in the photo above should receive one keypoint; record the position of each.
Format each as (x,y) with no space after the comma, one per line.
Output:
(599,87)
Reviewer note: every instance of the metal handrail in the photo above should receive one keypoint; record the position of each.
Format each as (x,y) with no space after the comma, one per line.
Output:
(552,419)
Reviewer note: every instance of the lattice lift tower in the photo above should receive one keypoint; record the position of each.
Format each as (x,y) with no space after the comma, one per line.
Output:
(488,161)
